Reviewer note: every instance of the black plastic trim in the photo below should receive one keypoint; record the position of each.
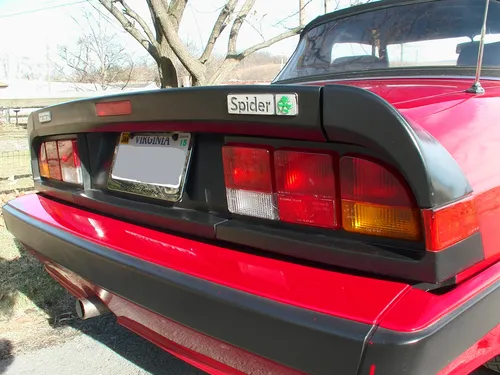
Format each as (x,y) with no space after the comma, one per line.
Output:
(425,266)
(178,220)
(172,111)
(432,173)
(298,338)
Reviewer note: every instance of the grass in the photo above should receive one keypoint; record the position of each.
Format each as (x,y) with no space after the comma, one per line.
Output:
(14,163)
(25,287)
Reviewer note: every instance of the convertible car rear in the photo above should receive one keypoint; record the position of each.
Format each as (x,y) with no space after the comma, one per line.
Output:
(342,220)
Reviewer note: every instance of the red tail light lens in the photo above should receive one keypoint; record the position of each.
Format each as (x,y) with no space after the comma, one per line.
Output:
(249,182)
(305,186)
(451,224)
(118,108)
(376,202)
(363,180)
(59,160)
(69,161)
(247,168)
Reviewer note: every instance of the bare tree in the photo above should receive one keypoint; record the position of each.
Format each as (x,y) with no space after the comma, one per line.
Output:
(5,65)
(97,58)
(27,69)
(165,45)
(337,4)
(302,12)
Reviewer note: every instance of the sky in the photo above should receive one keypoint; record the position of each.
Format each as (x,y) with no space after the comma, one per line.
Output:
(31,30)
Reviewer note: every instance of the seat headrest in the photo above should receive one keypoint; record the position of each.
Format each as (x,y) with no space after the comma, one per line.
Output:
(491,55)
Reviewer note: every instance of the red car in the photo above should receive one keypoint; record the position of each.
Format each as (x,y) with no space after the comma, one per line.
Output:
(343,220)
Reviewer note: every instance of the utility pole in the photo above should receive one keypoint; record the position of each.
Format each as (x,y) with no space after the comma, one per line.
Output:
(325,6)
(302,13)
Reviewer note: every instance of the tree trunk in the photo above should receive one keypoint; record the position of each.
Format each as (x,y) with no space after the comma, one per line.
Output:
(221,74)
(166,67)
(168,73)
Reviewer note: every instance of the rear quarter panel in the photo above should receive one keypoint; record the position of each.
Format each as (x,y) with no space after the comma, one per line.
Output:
(468,126)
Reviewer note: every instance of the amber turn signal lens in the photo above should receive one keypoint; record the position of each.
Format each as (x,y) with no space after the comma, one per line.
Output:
(43,163)
(376,220)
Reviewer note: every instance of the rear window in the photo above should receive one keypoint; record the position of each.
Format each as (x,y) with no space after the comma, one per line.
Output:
(435,33)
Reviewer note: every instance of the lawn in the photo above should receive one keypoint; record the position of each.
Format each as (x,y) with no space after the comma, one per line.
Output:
(32,305)
(24,285)
(25,288)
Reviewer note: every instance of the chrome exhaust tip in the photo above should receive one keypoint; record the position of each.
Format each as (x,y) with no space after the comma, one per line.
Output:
(91,307)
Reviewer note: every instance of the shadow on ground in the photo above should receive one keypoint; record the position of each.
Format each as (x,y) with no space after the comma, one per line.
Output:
(25,275)
(5,353)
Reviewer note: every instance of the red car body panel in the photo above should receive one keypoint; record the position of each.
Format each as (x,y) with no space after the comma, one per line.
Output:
(476,355)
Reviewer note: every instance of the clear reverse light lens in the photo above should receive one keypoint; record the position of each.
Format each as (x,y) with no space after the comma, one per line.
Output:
(252,203)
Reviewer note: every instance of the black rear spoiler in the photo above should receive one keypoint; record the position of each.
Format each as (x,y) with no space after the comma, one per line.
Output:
(354,115)
(334,113)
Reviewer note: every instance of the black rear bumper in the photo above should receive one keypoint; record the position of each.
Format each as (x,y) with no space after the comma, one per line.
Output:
(298,338)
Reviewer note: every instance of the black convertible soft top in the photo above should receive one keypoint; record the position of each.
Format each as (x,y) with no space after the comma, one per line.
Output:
(418,19)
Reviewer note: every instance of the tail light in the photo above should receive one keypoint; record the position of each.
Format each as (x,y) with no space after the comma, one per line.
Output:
(59,160)
(450,224)
(376,202)
(118,108)
(299,187)
(249,182)
(305,187)
(292,186)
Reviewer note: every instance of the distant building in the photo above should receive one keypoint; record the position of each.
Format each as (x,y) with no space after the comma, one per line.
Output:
(247,82)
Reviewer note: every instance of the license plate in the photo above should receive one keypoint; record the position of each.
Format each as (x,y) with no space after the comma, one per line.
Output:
(151,164)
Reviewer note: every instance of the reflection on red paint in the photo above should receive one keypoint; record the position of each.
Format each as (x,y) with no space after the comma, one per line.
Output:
(404,317)
(476,355)
(204,352)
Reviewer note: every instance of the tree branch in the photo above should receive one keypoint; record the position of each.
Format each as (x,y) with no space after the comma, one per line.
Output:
(231,61)
(132,14)
(150,45)
(235,29)
(176,10)
(195,68)
(156,23)
(301,9)
(220,25)
(270,42)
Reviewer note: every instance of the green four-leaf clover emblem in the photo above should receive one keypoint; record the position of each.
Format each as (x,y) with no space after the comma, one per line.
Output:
(284,105)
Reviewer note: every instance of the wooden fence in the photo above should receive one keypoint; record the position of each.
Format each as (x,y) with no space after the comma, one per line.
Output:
(17,116)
